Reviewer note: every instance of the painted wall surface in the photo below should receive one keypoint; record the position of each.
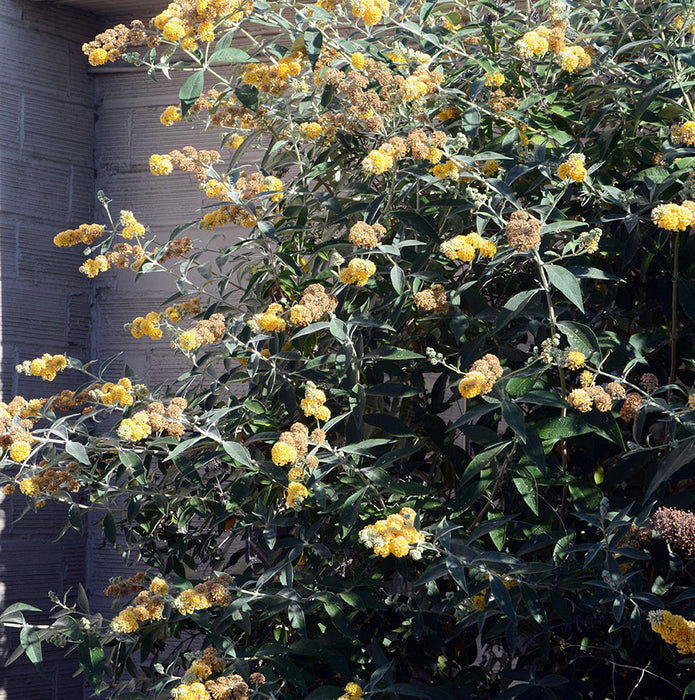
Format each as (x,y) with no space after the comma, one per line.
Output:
(67,131)
(46,185)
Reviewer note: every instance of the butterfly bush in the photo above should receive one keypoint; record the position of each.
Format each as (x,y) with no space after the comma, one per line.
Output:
(437,317)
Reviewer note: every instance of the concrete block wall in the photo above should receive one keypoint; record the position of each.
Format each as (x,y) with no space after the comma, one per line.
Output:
(46,185)
(66,131)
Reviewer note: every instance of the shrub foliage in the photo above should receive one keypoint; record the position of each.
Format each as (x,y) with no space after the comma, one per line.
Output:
(437,387)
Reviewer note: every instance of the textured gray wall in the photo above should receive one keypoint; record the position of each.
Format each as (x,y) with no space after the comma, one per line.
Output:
(46,184)
(66,131)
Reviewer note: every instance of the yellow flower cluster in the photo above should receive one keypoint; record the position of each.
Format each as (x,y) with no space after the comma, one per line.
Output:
(122,393)
(358,272)
(19,451)
(311,130)
(136,428)
(205,332)
(147,605)
(481,377)
(204,596)
(394,535)
(445,170)
(161,164)
(532,44)
(366,236)
(496,79)
(466,247)
(371,11)
(684,133)
(575,360)
(379,160)
(148,325)
(85,233)
(170,115)
(93,266)
(273,79)
(313,403)
(132,228)
(270,321)
(674,629)
(674,217)
(357,60)
(190,691)
(352,692)
(585,398)
(539,41)
(189,22)
(109,45)
(291,448)
(573,58)
(46,366)
(573,168)
(179,311)
(235,140)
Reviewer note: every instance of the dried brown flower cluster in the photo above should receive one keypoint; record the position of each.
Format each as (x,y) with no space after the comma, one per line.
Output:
(313,305)
(499,102)
(481,377)
(51,480)
(177,248)
(631,407)
(677,527)
(615,390)
(246,187)
(67,400)
(109,45)
(649,382)
(204,595)
(167,420)
(123,587)
(233,687)
(523,231)
(124,255)
(366,236)
(432,299)
(375,90)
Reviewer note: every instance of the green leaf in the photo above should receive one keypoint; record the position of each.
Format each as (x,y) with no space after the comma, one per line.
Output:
(514,308)
(191,90)
(313,41)
(109,526)
(389,424)
(129,459)
(296,618)
(237,452)
(504,600)
(92,664)
(514,417)
(398,279)
(247,95)
(580,337)
(387,352)
(230,55)
(567,283)
(351,509)
(78,451)
(681,455)
(31,643)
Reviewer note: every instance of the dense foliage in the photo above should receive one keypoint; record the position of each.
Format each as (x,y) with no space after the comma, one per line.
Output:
(436,435)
